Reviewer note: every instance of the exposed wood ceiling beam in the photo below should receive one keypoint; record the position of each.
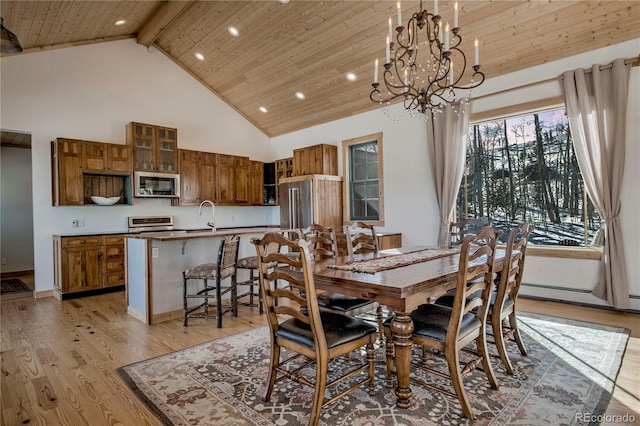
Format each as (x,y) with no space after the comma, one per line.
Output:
(161,18)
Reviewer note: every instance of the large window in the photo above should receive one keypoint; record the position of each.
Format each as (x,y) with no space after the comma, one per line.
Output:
(524,168)
(363,183)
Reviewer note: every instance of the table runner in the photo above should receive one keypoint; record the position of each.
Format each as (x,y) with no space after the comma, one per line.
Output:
(371,266)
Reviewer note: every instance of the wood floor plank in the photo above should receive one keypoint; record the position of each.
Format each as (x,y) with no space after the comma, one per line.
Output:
(59,359)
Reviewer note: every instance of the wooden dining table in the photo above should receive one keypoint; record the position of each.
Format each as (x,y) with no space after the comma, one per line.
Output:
(401,288)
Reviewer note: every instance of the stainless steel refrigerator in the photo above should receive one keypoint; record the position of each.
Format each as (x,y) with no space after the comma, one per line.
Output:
(310,199)
(296,204)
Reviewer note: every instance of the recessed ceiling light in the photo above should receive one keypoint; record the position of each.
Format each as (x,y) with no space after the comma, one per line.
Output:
(262,109)
(200,56)
(121,22)
(299,95)
(233,31)
(284,1)
(352,76)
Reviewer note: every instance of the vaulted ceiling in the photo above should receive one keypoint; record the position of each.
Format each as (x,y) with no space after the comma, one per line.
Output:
(308,46)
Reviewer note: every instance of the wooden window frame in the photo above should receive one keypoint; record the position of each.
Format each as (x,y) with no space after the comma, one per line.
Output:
(346,158)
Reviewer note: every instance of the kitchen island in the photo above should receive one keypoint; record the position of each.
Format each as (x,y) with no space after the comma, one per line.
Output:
(155,262)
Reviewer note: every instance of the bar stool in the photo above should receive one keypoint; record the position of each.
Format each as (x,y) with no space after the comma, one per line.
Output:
(250,264)
(224,268)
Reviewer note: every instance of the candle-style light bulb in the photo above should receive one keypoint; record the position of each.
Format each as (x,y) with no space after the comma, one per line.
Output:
(390,30)
(375,72)
(455,15)
(388,52)
(435,7)
(475,44)
(399,15)
(446,37)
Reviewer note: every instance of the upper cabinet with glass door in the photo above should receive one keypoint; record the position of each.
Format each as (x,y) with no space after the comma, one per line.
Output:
(155,148)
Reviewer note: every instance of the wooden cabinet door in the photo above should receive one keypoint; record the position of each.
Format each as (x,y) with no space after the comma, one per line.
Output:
(94,157)
(225,177)
(66,169)
(189,177)
(208,176)
(256,183)
(142,138)
(119,159)
(242,175)
(166,150)
(81,267)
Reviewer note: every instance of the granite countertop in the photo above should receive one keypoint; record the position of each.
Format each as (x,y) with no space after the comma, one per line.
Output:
(190,234)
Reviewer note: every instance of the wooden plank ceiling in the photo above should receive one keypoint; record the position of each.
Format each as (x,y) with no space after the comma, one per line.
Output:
(309,46)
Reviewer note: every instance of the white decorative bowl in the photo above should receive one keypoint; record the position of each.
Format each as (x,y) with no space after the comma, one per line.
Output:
(104,201)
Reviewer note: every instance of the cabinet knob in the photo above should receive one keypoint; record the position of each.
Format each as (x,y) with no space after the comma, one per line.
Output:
(99,255)
(82,241)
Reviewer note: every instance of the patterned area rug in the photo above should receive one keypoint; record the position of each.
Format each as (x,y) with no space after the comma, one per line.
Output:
(571,368)
(371,266)
(13,285)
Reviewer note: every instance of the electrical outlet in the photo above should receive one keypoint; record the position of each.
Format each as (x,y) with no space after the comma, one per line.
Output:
(4,260)
(154,252)
(75,223)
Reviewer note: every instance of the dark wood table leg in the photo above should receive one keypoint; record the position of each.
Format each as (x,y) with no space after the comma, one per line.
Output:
(402,327)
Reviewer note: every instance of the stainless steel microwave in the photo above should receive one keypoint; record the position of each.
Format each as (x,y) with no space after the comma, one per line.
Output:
(156,185)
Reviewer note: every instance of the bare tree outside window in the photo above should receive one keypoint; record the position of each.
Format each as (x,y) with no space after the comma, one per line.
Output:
(524,169)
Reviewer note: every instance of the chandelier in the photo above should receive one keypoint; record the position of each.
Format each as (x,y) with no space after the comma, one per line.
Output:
(423,67)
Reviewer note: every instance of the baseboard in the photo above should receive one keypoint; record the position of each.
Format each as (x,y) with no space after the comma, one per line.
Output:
(44,293)
(166,316)
(137,315)
(14,274)
(573,296)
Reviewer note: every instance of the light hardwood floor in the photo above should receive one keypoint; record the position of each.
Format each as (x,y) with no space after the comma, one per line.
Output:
(59,358)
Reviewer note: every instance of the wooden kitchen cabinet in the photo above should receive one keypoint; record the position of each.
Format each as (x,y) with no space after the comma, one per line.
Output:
(197,177)
(386,240)
(317,159)
(87,265)
(66,170)
(81,169)
(256,183)
(106,158)
(232,178)
(284,168)
(155,148)
(113,266)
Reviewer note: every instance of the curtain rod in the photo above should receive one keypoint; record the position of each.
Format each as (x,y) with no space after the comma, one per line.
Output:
(633,61)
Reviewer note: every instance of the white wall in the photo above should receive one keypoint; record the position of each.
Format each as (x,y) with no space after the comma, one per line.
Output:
(410,204)
(92,92)
(16,221)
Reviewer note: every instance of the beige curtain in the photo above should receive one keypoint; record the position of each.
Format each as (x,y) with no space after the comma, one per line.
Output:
(447,143)
(596,104)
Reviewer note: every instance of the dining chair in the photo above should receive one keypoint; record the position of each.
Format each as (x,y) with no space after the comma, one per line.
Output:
(504,302)
(361,238)
(449,330)
(315,337)
(223,269)
(322,245)
(460,229)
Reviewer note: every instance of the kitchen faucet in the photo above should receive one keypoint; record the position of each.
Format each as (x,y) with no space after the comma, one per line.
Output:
(212,224)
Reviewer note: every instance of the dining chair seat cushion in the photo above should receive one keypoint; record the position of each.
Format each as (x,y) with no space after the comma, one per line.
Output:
(447,300)
(430,320)
(340,302)
(338,329)
(208,271)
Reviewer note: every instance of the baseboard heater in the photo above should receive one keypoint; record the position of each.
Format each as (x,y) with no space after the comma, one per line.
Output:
(572,302)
